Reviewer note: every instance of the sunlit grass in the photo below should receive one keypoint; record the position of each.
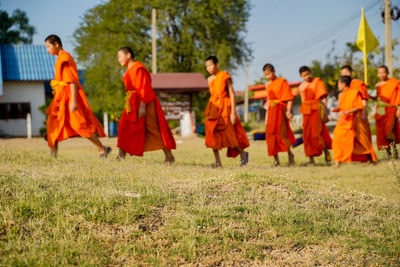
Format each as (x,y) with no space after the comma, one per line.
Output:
(79,209)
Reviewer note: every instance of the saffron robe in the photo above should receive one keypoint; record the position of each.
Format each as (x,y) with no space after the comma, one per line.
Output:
(387,124)
(150,132)
(278,134)
(316,136)
(61,123)
(219,130)
(351,141)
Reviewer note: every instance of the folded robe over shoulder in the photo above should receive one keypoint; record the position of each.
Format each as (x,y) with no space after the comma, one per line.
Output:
(151,132)
(315,133)
(361,87)
(350,138)
(387,124)
(279,135)
(61,122)
(219,130)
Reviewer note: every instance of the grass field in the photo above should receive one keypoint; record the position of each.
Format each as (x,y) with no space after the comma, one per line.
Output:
(80,210)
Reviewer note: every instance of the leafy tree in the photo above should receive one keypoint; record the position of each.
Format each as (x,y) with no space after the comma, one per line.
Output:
(188,31)
(15,29)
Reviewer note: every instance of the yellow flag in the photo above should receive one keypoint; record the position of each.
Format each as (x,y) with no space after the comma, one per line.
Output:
(366,39)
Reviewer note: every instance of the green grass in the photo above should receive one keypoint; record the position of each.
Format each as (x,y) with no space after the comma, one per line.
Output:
(80,210)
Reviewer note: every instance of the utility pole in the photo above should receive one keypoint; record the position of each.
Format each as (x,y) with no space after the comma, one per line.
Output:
(154,40)
(388,37)
(246,94)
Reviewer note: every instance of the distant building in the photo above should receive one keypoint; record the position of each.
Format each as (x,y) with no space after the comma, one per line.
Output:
(175,91)
(257,102)
(25,72)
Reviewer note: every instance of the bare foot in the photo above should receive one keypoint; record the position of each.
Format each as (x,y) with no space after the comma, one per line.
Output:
(244,158)
(291,159)
(328,157)
(276,164)
(120,158)
(169,160)
(216,165)
(310,163)
(337,164)
(53,153)
(107,151)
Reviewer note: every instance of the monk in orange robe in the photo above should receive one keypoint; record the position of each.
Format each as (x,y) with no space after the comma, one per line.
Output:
(359,85)
(387,114)
(69,113)
(351,140)
(142,126)
(222,124)
(278,134)
(316,136)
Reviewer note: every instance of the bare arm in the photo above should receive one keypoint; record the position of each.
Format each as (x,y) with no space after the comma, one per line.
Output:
(342,113)
(233,102)
(289,114)
(74,91)
(324,101)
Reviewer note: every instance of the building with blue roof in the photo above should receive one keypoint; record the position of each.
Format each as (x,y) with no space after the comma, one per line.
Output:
(25,72)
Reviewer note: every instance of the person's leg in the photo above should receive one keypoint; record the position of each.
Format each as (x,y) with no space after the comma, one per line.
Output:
(312,161)
(169,157)
(276,161)
(328,158)
(242,154)
(337,164)
(291,157)
(104,151)
(389,152)
(217,158)
(54,151)
(96,141)
(121,154)
(393,150)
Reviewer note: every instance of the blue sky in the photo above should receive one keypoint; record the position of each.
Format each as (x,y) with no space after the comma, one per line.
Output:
(287,33)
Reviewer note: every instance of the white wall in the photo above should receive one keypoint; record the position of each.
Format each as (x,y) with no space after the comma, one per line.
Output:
(17,92)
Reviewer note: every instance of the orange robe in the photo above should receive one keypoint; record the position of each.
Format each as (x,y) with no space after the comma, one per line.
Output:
(387,124)
(219,130)
(361,87)
(316,136)
(61,122)
(278,134)
(151,132)
(351,140)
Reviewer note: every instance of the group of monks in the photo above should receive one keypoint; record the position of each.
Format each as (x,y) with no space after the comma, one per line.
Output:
(143,127)
(352,138)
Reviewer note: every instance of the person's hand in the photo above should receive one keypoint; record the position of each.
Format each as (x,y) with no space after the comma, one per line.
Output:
(341,113)
(289,115)
(364,114)
(335,109)
(398,113)
(379,84)
(142,110)
(73,106)
(233,118)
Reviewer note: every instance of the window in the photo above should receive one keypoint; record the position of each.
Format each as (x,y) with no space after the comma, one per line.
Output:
(14,110)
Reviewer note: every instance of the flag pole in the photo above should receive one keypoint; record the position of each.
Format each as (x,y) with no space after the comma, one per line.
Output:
(365,53)
(365,69)
(366,41)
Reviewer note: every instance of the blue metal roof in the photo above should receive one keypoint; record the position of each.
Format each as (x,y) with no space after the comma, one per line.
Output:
(26,63)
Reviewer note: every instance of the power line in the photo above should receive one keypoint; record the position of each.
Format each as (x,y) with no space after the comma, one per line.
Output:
(317,38)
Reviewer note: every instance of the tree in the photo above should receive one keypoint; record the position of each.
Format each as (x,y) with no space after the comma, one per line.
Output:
(15,29)
(188,31)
